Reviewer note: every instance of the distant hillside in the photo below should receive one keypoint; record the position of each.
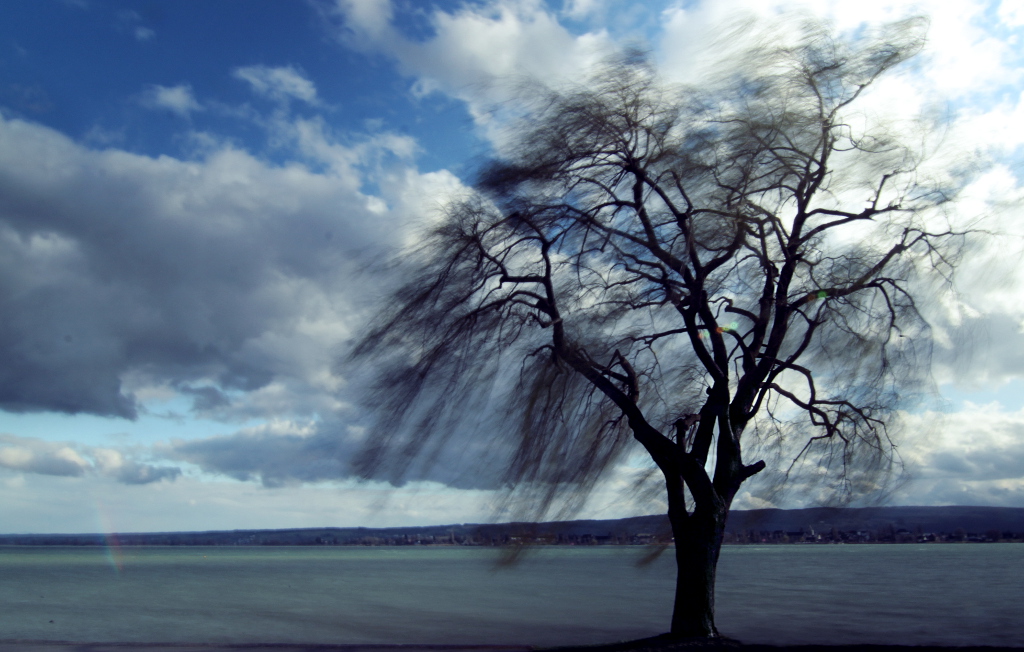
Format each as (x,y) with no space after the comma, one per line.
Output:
(883,520)
(928,519)
(759,525)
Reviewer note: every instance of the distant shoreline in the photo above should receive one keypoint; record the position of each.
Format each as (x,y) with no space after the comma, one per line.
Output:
(500,546)
(952,524)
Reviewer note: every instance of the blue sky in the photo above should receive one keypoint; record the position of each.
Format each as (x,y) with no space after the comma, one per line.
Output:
(189,191)
(102,83)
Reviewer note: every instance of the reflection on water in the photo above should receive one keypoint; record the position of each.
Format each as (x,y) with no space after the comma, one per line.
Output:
(910,594)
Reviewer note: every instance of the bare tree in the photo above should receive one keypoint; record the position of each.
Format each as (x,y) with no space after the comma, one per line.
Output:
(692,272)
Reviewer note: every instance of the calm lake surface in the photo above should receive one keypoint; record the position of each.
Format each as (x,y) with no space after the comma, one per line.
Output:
(909,594)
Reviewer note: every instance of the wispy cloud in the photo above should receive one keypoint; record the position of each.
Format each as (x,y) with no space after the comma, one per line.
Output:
(281,83)
(176,99)
(131,22)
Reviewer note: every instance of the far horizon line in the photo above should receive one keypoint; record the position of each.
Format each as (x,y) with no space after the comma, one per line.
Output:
(485,524)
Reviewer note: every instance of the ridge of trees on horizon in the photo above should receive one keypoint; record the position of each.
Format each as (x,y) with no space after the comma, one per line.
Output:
(822,525)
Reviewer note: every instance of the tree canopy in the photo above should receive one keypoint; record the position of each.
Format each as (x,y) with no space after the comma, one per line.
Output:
(700,271)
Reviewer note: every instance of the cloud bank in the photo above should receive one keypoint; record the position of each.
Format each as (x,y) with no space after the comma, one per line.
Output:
(229,281)
(221,277)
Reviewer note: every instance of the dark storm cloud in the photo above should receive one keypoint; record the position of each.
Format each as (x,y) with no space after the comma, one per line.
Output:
(177,272)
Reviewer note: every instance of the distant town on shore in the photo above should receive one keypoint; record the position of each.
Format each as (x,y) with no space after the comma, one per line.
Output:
(760,526)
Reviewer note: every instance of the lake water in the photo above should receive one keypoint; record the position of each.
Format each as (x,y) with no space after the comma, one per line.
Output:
(908,594)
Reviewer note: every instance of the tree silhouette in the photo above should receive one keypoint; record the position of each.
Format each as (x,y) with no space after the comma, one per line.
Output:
(693,272)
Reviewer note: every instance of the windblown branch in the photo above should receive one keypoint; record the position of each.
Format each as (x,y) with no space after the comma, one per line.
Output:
(664,268)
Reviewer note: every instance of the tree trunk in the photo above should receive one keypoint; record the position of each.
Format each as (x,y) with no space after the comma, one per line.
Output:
(698,541)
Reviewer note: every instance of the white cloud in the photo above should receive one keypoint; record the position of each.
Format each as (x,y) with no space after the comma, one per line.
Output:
(971,457)
(961,56)
(176,99)
(479,53)
(965,56)
(48,460)
(993,127)
(314,140)
(579,9)
(35,456)
(370,18)
(1011,13)
(231,282)
(691,39)
(280,83)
